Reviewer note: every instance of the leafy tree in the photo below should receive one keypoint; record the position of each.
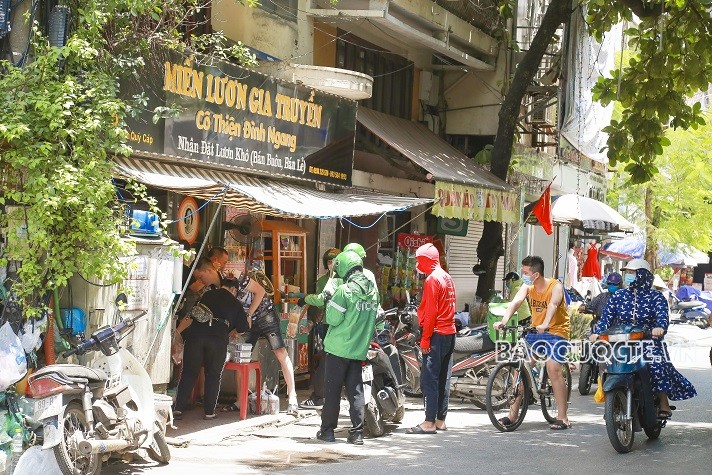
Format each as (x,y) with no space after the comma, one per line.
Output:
(675,205)
(61,120)
(673,39)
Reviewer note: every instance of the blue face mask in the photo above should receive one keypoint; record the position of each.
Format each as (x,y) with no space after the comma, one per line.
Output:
(612,288)
(628,278)
(527,280)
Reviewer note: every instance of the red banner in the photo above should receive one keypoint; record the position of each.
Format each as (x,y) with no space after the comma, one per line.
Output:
(413,241)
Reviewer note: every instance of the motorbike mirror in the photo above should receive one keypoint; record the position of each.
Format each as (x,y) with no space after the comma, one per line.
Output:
(121,299)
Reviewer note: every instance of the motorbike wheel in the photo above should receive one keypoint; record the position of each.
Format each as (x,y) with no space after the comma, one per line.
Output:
(548,400)
(483,374)
(585,379)
(158,451)
(653,432)
(373,421)
(69,459)
(620,431)
(504,388)
(411,381)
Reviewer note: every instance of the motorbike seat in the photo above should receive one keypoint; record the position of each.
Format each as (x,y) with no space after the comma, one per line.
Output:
(476,342)
(73,372)
(690,304)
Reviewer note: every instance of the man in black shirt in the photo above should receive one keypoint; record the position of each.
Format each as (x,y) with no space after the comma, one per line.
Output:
(206,335)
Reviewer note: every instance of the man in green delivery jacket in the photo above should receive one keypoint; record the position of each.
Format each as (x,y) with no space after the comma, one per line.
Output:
(326,285)
(351,316)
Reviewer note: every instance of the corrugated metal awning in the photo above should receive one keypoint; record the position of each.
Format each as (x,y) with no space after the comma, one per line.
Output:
(261,195)
(427,150)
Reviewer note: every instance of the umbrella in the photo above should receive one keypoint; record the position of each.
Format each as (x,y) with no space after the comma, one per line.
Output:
(634,247)
(585,213)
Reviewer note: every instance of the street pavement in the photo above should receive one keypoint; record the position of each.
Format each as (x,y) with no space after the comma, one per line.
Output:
(281,443)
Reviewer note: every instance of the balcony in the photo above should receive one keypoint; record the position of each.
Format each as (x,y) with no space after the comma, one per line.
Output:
(422,23)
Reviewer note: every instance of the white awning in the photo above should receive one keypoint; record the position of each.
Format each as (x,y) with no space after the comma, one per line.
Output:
(262,195)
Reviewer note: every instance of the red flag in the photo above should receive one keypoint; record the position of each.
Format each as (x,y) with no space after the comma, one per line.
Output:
(542,210)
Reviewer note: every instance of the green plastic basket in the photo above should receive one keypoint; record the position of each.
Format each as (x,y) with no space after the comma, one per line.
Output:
(495,313)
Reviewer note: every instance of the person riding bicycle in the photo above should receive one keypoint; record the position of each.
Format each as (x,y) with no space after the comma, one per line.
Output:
(640,304)
(549,316)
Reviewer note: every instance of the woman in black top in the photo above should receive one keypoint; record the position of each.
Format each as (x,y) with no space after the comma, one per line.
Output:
(206,344)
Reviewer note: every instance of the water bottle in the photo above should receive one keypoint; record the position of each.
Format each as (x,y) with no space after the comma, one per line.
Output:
(16,453)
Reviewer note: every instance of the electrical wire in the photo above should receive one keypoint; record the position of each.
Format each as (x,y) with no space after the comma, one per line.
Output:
(364,227)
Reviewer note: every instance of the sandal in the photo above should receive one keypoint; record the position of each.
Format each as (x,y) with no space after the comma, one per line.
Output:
(505,421)
(292,410)
(558,424)
(664,414)
(231,408)
(419,430)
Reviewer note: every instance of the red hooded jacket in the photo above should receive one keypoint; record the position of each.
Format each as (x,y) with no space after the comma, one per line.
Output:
(436,313)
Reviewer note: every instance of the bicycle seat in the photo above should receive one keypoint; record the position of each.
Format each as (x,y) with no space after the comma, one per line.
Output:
(475,342)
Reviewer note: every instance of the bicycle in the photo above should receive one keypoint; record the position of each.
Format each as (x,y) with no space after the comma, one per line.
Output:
(506,386)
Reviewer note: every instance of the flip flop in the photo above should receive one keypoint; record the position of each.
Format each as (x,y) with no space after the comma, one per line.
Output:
(231,408)
(558,424)
(419,430)
(664,414)
(441,429)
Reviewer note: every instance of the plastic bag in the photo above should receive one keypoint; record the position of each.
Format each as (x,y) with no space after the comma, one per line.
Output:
(600,396)
(13,363)
(177,349)
(32,333)
(269,401)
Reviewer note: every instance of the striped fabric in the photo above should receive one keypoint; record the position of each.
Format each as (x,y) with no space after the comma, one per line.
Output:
(261,195)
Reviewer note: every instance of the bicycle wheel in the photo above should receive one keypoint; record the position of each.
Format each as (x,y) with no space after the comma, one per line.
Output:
(547,397)
(507,387)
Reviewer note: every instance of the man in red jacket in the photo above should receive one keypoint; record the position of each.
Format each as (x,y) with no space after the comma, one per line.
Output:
(436,317)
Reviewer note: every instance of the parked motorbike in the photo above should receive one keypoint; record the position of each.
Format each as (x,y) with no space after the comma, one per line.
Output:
(693,312)
(474,359)
(588,376)
(382,381)
(631,405)
(91,412)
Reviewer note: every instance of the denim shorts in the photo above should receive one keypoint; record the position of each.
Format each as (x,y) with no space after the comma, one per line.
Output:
(268,326)
(549,346)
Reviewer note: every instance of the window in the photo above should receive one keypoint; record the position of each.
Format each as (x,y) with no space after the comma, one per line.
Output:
(286,9)
(392,74)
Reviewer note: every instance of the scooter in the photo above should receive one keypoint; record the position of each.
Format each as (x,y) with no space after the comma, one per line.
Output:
(631,405)
(474,358)
(90,412)
(382,382)
(588,375)
(693,312)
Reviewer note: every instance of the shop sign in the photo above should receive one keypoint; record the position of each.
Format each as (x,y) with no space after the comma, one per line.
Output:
(238,119)
(453,200)
(413,241)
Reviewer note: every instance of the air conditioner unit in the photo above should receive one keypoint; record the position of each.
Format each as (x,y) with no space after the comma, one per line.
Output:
(541,115)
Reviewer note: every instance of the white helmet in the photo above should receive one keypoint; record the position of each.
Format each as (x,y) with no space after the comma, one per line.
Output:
(636,264)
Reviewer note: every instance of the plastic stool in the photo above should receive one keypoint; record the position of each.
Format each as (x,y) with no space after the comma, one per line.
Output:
(244,371)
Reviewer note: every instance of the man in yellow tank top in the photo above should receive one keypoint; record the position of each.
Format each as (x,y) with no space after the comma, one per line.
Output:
(549,317)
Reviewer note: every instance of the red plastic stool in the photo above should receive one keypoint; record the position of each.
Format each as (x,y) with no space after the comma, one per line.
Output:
(244,370)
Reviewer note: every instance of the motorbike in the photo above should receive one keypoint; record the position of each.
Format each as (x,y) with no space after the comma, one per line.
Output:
(693,312)
(474,358)
(382,381)
(631,405)
(107,407)
(588,376)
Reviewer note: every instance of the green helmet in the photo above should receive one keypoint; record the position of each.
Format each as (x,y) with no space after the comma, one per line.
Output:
(345,262)
(357,248)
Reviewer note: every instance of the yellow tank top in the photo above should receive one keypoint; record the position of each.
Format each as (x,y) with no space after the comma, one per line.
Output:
(538,303)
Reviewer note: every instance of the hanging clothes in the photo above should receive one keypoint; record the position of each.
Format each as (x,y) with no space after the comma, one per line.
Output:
(572,270)
(591,268)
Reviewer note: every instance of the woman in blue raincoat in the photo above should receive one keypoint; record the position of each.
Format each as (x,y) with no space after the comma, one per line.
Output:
(640,304)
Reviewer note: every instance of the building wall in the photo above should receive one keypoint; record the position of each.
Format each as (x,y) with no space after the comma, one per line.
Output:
(477,97)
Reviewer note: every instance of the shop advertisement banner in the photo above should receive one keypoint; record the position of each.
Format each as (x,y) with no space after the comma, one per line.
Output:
(413,241)
(242,120)
(453,200)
